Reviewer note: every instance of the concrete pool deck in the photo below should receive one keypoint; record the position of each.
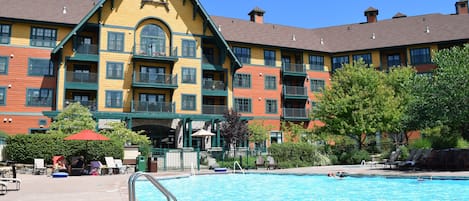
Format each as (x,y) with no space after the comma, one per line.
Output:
(114,187)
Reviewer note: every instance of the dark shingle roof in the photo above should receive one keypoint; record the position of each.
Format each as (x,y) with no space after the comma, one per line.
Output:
(352,37)
(46,10)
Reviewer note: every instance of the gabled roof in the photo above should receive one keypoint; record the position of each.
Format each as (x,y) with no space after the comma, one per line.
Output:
(422,29)
(46,10)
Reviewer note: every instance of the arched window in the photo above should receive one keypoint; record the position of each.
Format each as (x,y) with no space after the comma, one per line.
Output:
(152,40)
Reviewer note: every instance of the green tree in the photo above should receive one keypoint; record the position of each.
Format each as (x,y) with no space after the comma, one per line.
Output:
(73,119)
(294,130)
(233,129)
(120,132)
(357,103)
(258,132)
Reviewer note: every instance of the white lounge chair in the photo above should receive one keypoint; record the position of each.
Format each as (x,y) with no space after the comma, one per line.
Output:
(110,165)
(122,168)
(12,180)
(3,188)
(39,167)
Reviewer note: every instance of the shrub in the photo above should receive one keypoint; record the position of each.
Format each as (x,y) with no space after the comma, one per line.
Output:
(421,143)
(24,148)
(354,157)
(289,155)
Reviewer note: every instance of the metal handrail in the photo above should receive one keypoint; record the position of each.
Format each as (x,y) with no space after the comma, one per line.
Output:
(169,196)
(234,167)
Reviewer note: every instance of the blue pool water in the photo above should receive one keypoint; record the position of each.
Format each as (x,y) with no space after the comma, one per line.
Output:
(257,187)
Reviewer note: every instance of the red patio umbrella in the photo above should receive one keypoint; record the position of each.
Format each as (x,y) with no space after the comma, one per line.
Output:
(87,135)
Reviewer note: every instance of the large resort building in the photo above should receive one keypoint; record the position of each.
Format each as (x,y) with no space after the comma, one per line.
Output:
(167,67)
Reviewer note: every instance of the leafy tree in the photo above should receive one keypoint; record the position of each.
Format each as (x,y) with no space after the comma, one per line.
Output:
(73,119)
(258,132)
(120,132)
(233,130)
(357,103)
(294,130)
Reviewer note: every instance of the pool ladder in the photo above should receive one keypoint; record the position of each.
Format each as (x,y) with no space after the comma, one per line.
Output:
(234,167)
(155,183)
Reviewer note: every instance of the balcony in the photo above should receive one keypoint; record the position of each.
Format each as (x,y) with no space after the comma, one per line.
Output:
(295,114)
(213,88)
(86,52)
(295,92)
(153,107)
(289,69)
(214,109)
(91,105)
(81,80)
(153,80)
(209,62)
(150,53)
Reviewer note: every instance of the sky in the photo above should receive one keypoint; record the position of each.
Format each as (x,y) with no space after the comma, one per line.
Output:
(320,13)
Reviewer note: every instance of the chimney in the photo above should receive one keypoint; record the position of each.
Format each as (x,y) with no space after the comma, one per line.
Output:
(399,15)
(461,7)
(257,15)
(371,15)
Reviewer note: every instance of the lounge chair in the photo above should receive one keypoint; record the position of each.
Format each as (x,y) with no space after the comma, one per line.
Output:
(39,167)
(3,188)
(260,162)
(12,180)
(95,167)
(77,166)
(110,165)
(271,164)
(123,169)
(393,158)
(411,160)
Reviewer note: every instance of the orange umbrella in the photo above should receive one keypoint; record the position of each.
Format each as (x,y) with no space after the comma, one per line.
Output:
(88,135)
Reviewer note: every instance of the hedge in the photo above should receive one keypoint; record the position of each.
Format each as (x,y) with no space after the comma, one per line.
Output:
(25,148)
(289,155)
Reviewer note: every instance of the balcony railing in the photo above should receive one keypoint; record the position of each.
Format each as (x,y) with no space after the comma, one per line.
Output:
(214,109)
(147,106)
(213,85)
(294,68)
(295,91)
(82,77)
(155,78)
(295,113)
(150,50)
(91,105)
(87,49)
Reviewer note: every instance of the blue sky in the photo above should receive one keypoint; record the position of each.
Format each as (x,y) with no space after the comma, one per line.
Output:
(319,13)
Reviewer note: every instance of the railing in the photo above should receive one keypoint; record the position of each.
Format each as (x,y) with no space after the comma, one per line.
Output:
(148,106)
(91,105)
(234,167)
(295,112)
(87,49)
(155,78)
(316,67)
(294,91)
(82,77)
(152,50)
(133,178)
(294,68)
(213,84)
(214,109)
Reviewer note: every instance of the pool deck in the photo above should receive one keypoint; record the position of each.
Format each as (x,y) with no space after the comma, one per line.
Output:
(114,187)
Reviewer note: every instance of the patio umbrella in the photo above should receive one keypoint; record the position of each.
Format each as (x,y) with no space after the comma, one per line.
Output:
(202,133)
(87,135)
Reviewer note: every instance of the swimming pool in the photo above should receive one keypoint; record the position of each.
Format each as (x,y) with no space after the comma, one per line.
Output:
(272,187)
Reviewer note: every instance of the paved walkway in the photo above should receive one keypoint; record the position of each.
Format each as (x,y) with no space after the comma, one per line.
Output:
(114,187)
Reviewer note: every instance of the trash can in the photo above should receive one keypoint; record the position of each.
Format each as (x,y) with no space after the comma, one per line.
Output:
(141,163)
(152,165)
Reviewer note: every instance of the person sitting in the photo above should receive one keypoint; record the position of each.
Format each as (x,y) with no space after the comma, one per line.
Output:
(60,166)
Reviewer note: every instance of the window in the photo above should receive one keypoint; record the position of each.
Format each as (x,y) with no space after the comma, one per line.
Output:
(188,75)
(394,60)
(152,74)
(153,41)
(243,104)
(39,97)
(270,82)
(2,95)
(40,67)
(275,137)
(114,70)
(43,37)
(316,62)
(188,48)
(3,65)
(242,81)
(338,61)
(317,85)
(115,41)
(188,102)
(269,57)
(270,106)
(114,99)
(5,33)
(366,58)
(243,54)
(420,56)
